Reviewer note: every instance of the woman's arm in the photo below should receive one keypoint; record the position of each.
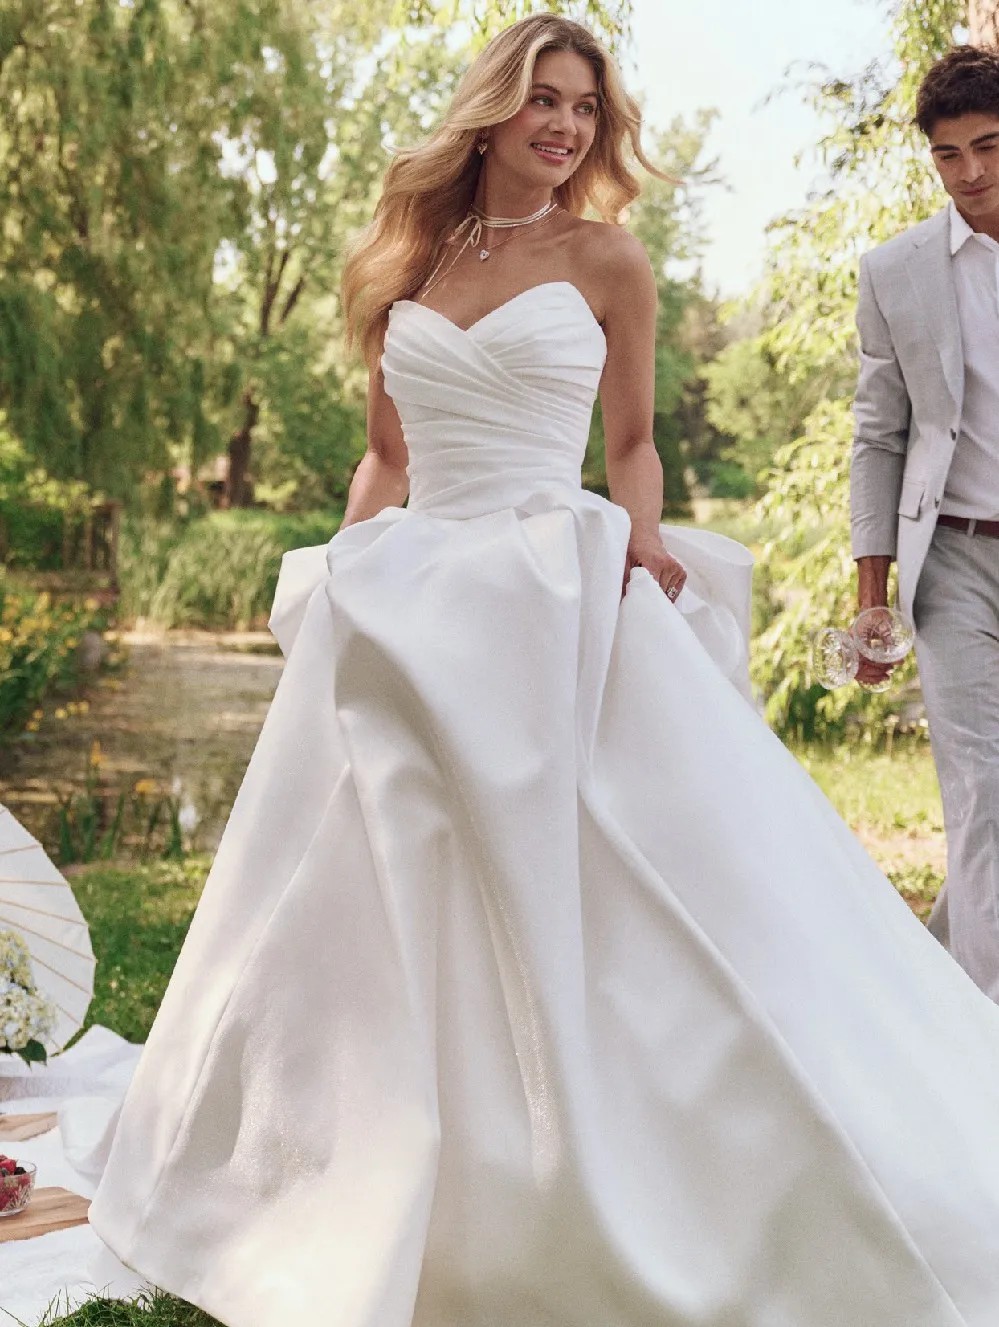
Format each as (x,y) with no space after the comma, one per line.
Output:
(627,398)
(380,480)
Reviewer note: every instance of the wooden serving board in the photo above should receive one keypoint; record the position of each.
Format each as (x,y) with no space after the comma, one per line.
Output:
(49,1209)
(19,1128)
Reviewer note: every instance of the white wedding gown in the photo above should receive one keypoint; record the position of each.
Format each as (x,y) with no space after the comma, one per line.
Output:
(535,985)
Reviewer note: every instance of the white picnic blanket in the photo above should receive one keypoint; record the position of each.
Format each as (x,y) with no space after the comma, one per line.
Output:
(44,1277)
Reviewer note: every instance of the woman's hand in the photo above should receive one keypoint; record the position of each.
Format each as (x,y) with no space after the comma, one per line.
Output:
(648,551)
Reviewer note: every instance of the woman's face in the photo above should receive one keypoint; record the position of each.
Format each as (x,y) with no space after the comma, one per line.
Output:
(553,131)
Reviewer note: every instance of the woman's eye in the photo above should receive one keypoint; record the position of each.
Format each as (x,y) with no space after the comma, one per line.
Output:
(543,100)
(588,108)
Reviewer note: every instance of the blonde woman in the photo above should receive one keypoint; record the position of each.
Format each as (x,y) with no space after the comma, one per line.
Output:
(534,984)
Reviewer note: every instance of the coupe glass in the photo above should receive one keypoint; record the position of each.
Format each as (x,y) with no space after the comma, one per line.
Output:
(881,635)
(835,657)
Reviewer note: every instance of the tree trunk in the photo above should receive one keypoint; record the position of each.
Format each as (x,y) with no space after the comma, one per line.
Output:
(983,22)
(238,488)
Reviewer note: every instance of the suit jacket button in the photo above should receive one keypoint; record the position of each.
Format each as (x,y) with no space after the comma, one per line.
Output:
(936,502)
(953,435)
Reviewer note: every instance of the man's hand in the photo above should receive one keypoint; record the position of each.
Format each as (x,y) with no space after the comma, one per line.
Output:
(872,589)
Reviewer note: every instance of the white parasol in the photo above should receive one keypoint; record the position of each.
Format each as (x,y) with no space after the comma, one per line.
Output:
(37,903)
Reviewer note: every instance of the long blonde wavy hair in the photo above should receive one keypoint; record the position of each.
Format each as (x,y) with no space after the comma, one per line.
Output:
(429,189)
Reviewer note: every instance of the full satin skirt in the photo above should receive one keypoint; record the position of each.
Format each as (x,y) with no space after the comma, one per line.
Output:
(536,985)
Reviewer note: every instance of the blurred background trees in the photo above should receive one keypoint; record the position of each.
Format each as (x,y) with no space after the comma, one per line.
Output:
(879,181)
(179,180)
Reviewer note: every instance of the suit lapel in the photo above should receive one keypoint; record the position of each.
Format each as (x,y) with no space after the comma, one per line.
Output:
(930,270)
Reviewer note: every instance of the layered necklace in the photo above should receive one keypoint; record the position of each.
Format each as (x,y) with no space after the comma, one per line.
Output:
(480,220)
(474,224)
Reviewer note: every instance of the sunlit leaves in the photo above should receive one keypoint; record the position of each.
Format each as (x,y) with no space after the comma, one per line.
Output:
(610,19)
(880,181)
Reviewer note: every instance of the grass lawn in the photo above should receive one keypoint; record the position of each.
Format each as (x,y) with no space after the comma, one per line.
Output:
(892,802)
(158,1311)
(139,915)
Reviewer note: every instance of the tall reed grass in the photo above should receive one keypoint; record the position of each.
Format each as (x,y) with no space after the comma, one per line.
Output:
(217,571)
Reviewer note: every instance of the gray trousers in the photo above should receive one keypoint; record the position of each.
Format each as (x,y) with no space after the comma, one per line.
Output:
(957,644)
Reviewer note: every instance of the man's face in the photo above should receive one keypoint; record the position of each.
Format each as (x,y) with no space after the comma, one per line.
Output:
(966,152)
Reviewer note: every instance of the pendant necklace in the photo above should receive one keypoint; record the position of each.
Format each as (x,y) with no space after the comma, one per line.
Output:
(474,224)
(480,220)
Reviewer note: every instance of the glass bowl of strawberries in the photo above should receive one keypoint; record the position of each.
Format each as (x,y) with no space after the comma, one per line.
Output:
(17,1179)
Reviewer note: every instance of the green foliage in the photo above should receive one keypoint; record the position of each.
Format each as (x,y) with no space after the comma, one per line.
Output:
(218,576)
(33,508)
(111,221)
(610,19)
(219,571)
(881,181)
(309,437)
(807,507)
(728,479)
(179,180)
(96,823)
(751,403)
(33,1052)
(39,640)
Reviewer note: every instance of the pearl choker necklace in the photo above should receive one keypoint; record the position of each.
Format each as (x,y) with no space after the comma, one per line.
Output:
(480,220)
(474,223)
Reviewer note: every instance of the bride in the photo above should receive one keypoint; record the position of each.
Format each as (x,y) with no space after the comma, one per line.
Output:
(535,985)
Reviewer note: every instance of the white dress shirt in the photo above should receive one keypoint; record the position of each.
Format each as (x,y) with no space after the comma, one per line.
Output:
(973,480)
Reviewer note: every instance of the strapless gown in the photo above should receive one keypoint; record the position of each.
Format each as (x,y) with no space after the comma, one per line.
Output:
(535,984)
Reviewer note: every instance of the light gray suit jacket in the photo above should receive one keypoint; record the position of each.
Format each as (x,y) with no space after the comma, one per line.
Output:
(908,402)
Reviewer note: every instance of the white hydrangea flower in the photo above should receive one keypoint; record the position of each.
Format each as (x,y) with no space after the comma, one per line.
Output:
(25,1015)
(15,961)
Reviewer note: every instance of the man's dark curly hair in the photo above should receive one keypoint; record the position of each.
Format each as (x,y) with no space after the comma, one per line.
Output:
(964,81)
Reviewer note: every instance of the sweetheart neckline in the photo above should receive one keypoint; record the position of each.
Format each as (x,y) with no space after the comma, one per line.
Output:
(541,285)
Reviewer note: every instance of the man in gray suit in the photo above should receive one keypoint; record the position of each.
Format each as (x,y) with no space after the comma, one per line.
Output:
(925,478)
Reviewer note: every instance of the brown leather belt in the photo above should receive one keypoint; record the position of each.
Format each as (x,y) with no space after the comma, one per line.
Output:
(989,528)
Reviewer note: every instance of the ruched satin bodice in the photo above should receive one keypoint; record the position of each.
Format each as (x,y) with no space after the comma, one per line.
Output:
(496,415)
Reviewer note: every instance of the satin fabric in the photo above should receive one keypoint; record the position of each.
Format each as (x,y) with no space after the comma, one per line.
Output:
(534,982)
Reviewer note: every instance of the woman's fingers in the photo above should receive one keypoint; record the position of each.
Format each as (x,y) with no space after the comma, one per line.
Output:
(669,574)
(672,579)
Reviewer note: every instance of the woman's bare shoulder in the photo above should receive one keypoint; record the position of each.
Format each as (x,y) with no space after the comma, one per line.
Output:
(611,263)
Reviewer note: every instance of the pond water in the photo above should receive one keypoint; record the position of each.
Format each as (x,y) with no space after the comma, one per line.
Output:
(180,720)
